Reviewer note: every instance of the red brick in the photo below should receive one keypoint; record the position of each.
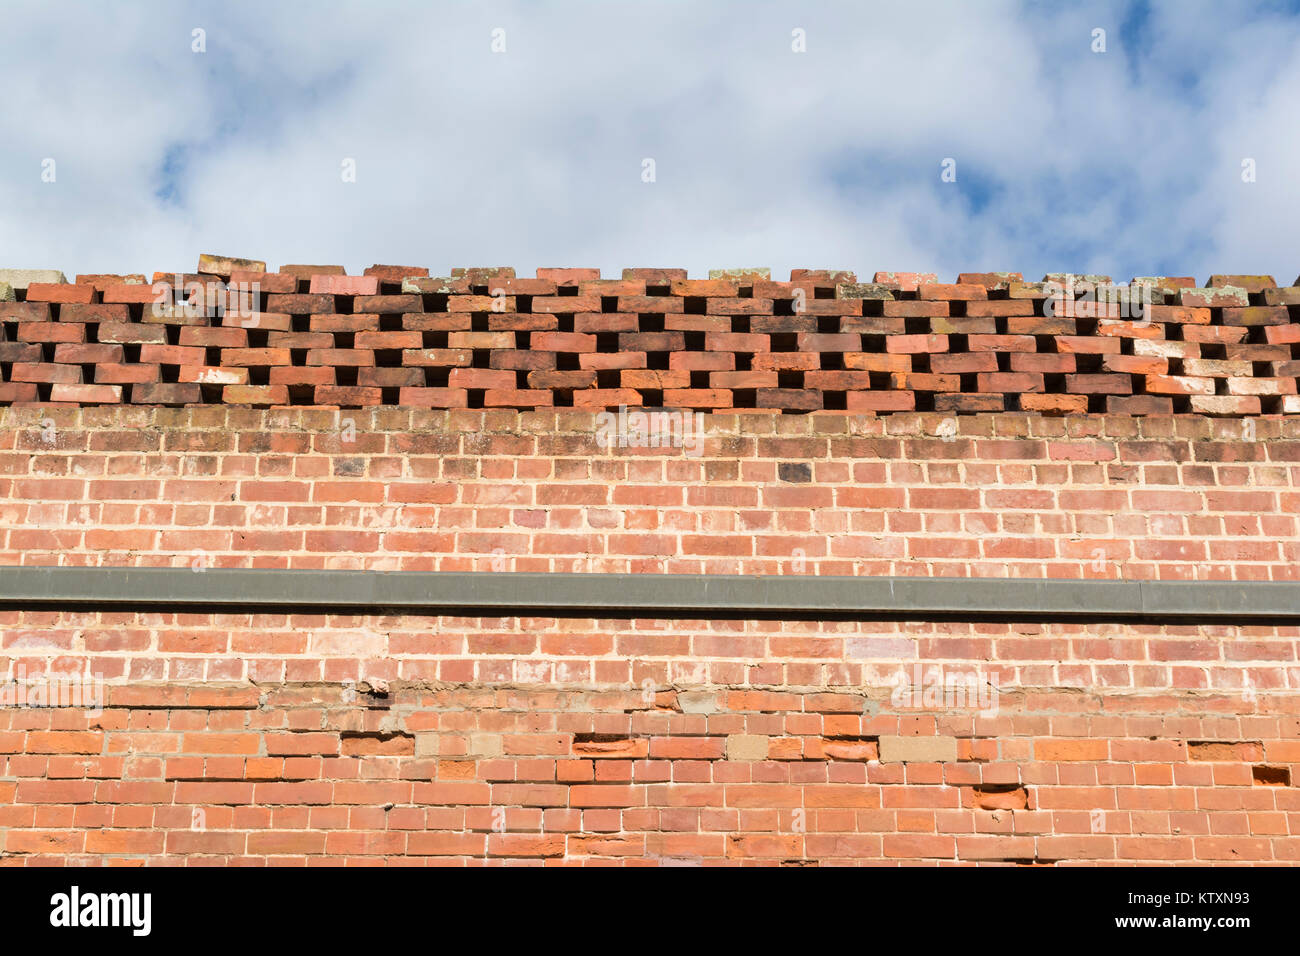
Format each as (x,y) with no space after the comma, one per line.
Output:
(438,357)
(127,374)
(344,285)
(1223,296)
(87,354)
(566,380)
(256,357)
(133,293)
(561,304)
(1087,345)
(915,344)
(212,375)
(728,305)
(883,401)
(623,359)
(255,395)
(1134,365)
(347,395)
(163,393)
(301,271)
(1249,283)
(650,304)
(990,280)
(605,322)
(340,357)
(302,303)
(94,312)
(18,392)
(969,403)
(828,342)
(102,280)
(517,398)
(1214,333)
(1179,385)
(271,321)
(56,292)
(1286,296)
(1267,315)
(20,352)
(785,361)
(300,375)
(838,380)
(501,380)
(732,380)
(26,311)
(700,361)
(1000,307)
(1054,404)
(395,273)
(481,340)
(710,288)
(562,342)
(266,282)
(27,372)
(87,394)
(904,281)
(914,308)
(1052,363)
(51,332)
(678,322)
(655,277)
(434,397)
(926,382)
(786,398)
(210,337)
(606,398)
(661,378)
(369,339)
(883,362)
(1177,314)
(1139,405)
(1010,382)
(934,290)
(1099,384)
(521,360)
(568,276)
(966,362)
(361,322)
(697,398)
(479,303)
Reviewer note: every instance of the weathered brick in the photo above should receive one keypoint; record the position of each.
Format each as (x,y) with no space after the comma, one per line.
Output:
(897,749)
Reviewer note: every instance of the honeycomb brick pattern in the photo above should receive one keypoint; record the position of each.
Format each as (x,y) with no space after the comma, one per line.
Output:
(232,333)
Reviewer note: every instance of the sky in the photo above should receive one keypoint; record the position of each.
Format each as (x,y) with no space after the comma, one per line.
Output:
(486,134)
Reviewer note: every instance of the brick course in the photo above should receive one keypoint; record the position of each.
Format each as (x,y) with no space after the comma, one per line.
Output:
(485,338)
(1171,497)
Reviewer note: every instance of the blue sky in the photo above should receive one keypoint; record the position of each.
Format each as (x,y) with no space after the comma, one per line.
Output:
(1125,162)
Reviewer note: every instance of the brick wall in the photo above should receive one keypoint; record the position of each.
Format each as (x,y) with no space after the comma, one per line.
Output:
(1181,497)
(423,774)
(236,334)
(286,737)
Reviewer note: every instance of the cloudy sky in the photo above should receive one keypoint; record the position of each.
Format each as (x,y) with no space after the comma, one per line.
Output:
(1126,162)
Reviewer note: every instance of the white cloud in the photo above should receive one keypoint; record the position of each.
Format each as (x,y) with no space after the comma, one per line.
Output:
(1124,162)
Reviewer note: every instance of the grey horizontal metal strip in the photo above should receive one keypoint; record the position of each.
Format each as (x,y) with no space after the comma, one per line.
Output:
(663,595)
